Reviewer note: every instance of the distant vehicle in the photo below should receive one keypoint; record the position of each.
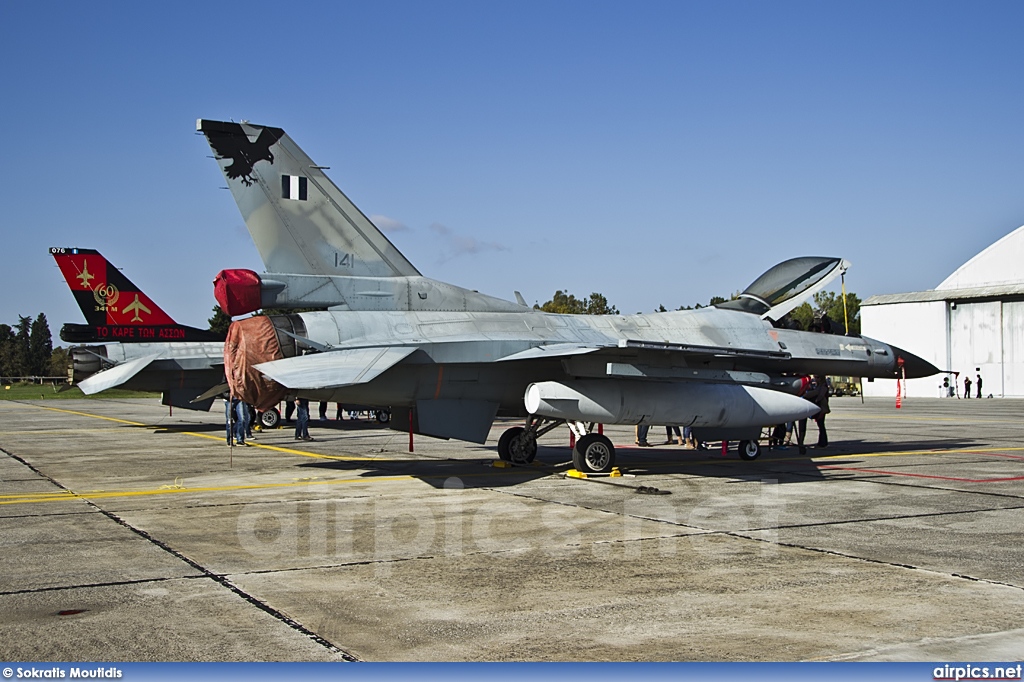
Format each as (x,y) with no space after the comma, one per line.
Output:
(840,386)
(449,361)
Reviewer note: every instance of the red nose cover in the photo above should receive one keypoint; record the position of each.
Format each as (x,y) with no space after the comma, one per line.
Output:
(250,342)
(237,291)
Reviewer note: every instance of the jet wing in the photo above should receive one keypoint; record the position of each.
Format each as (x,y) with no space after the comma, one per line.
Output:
(116,375)
(334,369)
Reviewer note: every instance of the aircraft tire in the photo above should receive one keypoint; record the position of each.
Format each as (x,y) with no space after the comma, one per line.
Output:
(593,454)
(504,450)
(383,416)
(513,446)
(270,419)
(749,449)
(522,450)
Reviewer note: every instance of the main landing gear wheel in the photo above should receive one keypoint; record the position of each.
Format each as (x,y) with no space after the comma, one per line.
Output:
(383,416)
(270,419)
(517,445)
(749,449)
(593,454)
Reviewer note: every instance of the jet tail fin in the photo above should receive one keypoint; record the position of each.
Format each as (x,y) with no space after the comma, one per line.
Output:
(114,308)
(300,221)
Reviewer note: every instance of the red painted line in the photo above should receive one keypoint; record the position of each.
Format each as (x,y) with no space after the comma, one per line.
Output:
(940,478)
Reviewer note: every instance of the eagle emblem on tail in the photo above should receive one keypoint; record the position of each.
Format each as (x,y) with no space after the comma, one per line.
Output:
(231,142)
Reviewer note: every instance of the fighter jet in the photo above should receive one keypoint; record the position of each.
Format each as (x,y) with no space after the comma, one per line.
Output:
(136,346)
(449,361)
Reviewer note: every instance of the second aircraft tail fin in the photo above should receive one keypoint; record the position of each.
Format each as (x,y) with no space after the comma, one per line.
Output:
(114,308)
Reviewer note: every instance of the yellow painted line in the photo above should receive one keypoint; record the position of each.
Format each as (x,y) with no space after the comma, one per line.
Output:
(68,495)
(277,448)
(62,496)
(219,437)
(53,493)
(177,488)
(86,414)
(59,432)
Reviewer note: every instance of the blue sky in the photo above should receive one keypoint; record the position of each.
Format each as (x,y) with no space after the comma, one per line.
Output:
(656,152)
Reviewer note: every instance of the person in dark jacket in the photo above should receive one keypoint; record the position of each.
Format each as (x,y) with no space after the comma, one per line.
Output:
(818,394)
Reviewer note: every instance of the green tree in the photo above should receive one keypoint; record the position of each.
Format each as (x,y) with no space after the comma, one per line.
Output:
(6,350)
(565,303)
(21,356)
(714,301)
(40,347)
(60,361)
(220,321)
(831,304)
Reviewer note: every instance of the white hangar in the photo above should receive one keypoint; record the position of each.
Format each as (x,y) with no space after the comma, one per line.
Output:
(973,323)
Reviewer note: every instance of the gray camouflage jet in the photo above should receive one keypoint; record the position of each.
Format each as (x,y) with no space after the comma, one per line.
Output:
(449,361)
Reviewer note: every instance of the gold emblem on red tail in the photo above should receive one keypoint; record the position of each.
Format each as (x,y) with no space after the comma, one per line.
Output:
(106,296)
(136,306)
(85,276)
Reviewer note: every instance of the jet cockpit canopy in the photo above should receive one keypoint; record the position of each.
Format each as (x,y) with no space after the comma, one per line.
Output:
(787,285)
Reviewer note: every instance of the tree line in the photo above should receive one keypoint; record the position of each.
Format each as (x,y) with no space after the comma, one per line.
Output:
(827,314)
(26,350)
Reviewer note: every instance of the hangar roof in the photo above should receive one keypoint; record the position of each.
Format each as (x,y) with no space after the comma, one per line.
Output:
(998,264)
(992,274)
(971,293)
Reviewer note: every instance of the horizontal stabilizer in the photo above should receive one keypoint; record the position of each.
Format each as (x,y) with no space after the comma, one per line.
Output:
(335,368)
(117,375)
(216,391)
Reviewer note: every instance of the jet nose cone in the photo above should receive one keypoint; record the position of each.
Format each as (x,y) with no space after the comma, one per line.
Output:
(913,366)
